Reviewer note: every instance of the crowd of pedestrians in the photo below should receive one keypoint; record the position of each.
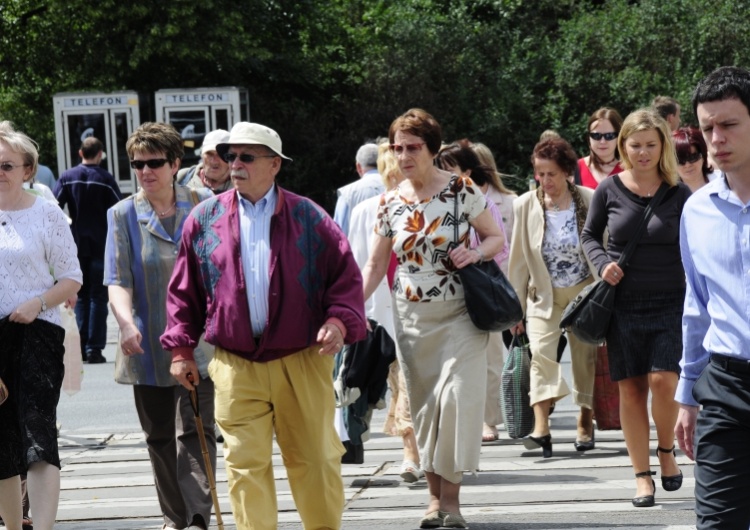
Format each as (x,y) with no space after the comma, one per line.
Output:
(230,289)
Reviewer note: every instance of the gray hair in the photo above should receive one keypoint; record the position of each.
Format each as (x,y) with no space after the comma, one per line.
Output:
(367,156)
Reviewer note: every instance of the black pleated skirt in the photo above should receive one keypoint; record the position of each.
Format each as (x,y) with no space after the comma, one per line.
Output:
(31,364)
(645,334)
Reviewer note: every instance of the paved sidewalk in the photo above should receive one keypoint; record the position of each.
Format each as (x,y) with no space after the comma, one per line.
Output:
(107,484)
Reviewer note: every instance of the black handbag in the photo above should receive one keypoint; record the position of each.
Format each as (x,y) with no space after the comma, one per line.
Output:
(587,316)
(490,298)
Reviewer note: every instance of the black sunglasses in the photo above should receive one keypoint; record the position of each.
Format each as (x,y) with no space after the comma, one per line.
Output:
(598,136)
(692,157)
(154,163)
(244,158)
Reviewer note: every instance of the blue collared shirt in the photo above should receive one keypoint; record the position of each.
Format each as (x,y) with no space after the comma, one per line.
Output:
(255,248)
(715,247)
(369,185)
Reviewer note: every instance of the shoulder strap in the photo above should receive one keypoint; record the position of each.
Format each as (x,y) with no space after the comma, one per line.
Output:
(647,213)
(455,210)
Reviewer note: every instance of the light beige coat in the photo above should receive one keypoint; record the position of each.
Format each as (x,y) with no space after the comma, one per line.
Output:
(526,269)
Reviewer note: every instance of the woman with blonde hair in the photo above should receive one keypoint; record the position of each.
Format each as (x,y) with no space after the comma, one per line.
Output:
(644,341)
(497,193)
(39,270)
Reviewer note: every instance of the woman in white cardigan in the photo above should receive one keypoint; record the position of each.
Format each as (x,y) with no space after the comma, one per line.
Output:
(548,269)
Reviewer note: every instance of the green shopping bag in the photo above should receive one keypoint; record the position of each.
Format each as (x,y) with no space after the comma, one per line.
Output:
(519,416)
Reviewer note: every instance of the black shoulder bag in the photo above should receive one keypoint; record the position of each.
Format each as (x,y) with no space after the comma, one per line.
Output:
(490,298)
(589,313)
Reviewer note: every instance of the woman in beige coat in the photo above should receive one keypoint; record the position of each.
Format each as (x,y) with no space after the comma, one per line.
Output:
(548,269)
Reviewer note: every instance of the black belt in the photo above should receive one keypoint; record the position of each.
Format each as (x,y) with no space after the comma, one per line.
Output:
(730,364)
(257,339)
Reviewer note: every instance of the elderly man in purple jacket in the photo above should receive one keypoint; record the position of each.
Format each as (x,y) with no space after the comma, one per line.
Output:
(270,279)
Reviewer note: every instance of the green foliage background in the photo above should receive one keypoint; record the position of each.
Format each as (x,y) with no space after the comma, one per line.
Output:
(330,75)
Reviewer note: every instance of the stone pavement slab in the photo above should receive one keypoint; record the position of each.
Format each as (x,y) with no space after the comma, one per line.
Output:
(107,485)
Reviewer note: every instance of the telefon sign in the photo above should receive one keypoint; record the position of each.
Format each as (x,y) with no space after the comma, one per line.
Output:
(200,97)
(98,101)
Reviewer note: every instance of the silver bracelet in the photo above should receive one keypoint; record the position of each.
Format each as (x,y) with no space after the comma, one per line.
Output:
(481,254)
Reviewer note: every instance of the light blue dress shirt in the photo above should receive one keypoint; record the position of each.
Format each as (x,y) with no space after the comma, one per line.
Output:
(715,247)
(255,248)
(369,185)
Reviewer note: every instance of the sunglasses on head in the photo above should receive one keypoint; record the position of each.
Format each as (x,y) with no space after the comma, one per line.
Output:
(229,158)
(598,136)
(691,158)
(409,148)
(154,163)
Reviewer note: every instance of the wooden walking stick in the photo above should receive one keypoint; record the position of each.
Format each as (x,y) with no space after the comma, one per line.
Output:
(204,450)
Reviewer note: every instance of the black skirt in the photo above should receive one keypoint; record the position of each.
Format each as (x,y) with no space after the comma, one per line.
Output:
(31,364)
(645,333)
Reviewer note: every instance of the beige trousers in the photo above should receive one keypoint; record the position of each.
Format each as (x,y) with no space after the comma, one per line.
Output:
(546,374)
(293,398)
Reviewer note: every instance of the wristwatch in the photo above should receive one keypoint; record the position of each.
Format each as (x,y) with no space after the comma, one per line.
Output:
(44,304)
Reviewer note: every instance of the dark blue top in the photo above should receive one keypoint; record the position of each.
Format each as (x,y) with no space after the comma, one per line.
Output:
(88,191)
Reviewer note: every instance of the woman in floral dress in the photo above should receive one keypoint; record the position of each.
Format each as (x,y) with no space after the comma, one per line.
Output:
(442,354)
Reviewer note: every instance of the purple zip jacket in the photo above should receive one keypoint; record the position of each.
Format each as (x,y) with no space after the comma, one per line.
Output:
(313,280)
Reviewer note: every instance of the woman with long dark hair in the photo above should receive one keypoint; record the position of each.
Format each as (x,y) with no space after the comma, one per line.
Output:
(548,269)
(604,158)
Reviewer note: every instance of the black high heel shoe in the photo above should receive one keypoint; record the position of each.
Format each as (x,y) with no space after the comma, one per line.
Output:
(645,501)
(586,446)
(545,442)
(674,482)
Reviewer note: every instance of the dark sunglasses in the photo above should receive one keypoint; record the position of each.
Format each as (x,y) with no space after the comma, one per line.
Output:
(229,158)
(154,163)
(693,157)
(598,136)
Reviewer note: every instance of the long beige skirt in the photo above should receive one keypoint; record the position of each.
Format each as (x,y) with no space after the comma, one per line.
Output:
(443,357)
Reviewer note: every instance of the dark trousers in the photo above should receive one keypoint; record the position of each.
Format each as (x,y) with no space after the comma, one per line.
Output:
(168,421)
(722,459)
(91,308)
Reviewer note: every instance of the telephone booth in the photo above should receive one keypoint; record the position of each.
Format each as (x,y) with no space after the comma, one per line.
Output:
(110,117)
(197,111)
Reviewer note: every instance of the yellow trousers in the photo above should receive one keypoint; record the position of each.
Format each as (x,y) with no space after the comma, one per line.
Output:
(293,398)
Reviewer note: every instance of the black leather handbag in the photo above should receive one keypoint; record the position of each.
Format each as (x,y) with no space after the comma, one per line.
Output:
(587,316)
(490,298)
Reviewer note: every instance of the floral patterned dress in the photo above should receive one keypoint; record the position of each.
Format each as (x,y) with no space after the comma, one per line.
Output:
(443,356)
